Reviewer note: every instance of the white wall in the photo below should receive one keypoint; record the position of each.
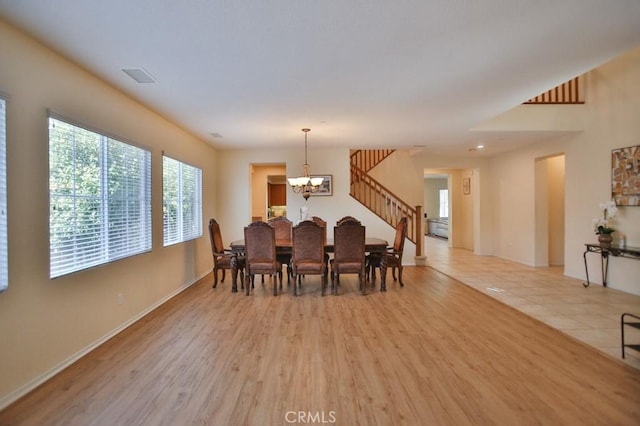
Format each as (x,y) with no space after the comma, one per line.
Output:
(44,323)
(610,121)
(504,186)
(234,215)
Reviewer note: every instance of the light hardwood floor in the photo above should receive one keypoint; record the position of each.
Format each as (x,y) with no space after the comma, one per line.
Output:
(436,351)
(591,315)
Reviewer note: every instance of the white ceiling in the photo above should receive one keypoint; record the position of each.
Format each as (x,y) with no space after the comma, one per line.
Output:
(359,73)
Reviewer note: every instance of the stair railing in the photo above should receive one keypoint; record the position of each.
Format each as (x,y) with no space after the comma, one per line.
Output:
(367,159)
(386,205)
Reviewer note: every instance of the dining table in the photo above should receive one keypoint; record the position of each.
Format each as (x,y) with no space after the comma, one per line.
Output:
(372,245)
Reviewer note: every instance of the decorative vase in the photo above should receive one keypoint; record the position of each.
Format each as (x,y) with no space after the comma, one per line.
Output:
(605,239)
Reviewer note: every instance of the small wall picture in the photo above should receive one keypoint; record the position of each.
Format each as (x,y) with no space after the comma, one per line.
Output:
(466,186)
(327,185)
(625,176)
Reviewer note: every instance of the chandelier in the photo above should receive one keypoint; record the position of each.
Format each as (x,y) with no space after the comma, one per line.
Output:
(305,184)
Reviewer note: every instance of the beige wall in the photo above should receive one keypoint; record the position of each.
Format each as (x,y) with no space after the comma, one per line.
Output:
(44,323)
(464,211)
(610,121)
(331,161)
(400,174)
(556,216)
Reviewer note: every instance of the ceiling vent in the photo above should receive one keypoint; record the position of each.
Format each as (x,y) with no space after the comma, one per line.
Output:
(139,75)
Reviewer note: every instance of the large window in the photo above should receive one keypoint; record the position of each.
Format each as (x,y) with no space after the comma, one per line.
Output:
(444,203)
(4,269)
(181,201)
(99,198)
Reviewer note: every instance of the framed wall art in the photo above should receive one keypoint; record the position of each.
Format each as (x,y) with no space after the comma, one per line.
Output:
(327,185)
(625,176)
(466,186)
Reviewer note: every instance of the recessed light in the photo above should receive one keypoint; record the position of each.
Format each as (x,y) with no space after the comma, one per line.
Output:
(480,146)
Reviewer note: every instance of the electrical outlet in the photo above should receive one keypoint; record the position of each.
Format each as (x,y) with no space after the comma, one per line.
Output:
(120,298)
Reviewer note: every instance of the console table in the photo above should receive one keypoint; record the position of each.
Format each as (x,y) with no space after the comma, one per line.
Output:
(605,251)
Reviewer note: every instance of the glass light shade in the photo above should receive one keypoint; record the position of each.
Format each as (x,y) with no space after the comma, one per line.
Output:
(316,181)
(299,181)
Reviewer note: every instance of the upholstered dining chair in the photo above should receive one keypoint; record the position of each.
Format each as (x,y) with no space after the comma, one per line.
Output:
(260,252)
(308,257)
(347,219)
(348,253)
(322,223)
(394,254)
(283,227)
(222,256)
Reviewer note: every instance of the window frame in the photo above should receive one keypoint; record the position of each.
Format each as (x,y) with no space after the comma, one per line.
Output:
(177,234)
(121,223)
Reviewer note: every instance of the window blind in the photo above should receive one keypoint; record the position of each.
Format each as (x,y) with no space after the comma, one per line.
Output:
(181,201)
(4,255)
(99,198)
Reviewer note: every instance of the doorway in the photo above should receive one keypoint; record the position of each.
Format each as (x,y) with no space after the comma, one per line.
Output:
(436,205)
(268,191)
(549,211)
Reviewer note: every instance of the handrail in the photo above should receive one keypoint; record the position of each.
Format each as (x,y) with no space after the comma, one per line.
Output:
(369,158)
(566,93)
(386,205)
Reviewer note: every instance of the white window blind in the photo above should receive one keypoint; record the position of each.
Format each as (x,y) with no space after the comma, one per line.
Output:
(4,255)
(99,198)
(444,203)
(181,201)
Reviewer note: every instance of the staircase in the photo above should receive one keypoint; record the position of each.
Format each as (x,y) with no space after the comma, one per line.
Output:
(380,200)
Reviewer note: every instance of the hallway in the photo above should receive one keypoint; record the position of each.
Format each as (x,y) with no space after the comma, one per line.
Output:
(591,315)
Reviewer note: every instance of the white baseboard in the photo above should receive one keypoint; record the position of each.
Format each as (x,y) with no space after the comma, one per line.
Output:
(37,381)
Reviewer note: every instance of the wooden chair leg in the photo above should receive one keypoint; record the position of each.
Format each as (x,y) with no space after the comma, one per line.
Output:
(295,287)
(275,282)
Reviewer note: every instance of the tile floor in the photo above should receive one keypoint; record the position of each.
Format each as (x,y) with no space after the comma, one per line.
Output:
(591,315)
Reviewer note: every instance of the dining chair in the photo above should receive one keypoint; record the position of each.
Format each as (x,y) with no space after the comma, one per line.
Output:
(221,256)
(348,253)
(394,254)
(347,219)
(323,225)
(260,252)
(283,227)
(308,255)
